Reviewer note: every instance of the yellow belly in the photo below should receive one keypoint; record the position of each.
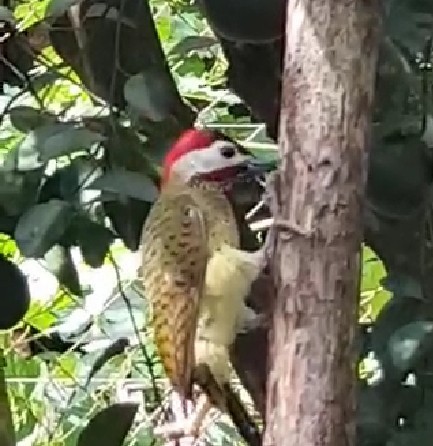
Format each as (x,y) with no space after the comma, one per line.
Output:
(229,275)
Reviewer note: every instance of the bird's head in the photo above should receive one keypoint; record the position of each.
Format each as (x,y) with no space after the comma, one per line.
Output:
(208,156)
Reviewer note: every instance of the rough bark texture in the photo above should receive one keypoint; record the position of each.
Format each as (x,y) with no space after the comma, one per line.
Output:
(328,89)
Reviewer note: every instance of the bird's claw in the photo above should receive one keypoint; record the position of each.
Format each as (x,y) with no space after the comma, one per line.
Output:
(252,323)
(178,429)
(270,199)
(271,188)
(186,427)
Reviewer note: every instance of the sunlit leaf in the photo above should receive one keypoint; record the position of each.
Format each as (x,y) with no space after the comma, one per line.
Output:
(39,316)
(163,24)
(23,157)
(191,43)
(372,270)
(373,295)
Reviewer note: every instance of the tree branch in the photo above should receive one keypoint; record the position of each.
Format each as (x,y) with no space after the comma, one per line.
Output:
(328,89)
(7,432)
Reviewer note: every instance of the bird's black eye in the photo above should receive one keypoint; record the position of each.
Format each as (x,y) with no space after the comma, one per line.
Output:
(228,151)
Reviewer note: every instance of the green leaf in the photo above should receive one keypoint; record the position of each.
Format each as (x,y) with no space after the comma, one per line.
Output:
(68,182)
(25,118)
(408,22)
(145,437)
(408,344)
(6,15)
(68,141)
(39,317)
(18,190)
(373,270)
(110,426)
(45,80)
(126,183)
(8,247)
(147,93)
(127,219)
(56,8)
(15,366)
(36,137)
(23,157)
(373,296)
(58,261)
(193,43)
(16,301)
(371,420)
(94,240)
(380,298)
(402,285)
(41,227)
(58,139)
(116,348)
(164,26)
(92,237)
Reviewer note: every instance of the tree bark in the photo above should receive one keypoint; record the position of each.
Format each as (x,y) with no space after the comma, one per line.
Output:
(328,88)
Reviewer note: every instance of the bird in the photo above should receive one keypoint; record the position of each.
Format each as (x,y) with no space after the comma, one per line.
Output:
(195,276)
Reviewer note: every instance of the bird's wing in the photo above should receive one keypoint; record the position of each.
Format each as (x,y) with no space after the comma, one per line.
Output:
(175,253)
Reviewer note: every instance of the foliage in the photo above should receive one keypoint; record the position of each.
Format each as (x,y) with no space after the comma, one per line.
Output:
(78,174)
(82,133)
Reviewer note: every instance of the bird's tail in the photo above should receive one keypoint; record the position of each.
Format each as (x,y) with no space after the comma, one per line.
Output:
(227,399)
(245,424)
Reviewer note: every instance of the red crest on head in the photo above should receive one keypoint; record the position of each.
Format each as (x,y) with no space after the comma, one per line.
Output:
(190,140)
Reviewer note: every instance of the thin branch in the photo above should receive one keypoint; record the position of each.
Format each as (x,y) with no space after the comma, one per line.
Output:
(7,431)
(147,358)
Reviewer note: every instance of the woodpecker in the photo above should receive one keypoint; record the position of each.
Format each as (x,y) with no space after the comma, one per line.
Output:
(195,276)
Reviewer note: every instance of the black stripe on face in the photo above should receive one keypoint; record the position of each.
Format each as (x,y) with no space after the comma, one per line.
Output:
(222,137)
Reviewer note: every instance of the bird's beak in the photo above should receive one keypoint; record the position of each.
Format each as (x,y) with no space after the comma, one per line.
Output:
(254,167)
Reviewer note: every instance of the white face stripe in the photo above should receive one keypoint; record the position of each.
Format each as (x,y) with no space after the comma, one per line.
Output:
(207,160)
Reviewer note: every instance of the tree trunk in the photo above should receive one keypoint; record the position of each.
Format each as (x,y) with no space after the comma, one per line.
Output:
(328,89)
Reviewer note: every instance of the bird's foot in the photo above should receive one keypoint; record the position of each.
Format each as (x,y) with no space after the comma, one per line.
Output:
(252,320)
(262,256)
(174,430)
(189,426)
(271,189)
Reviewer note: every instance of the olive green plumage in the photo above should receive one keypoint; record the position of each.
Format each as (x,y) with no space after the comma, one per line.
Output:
(184,228)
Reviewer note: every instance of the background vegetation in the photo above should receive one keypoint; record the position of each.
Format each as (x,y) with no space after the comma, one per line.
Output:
(88,108)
